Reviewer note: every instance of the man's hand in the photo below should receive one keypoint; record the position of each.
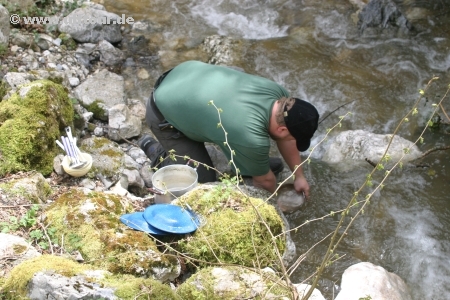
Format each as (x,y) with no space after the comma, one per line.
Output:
(301,185)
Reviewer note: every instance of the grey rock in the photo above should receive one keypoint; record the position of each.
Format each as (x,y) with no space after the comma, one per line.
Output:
(16,79)
(57,166)
(50,285)
(134,178)
(74,81)
(352,147)
(288,200)
(130,163)
(109,54)
(122,124)
(104,88)
(5,26)
(16,249)
(21,40)
(34,187)
(137,108)
(147,174)
(86,32)
(219,159)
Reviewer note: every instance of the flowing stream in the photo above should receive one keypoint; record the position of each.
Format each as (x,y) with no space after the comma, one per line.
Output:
(316,51)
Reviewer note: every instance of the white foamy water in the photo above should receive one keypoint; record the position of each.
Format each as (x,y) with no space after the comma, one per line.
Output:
(246,19)
(426,260)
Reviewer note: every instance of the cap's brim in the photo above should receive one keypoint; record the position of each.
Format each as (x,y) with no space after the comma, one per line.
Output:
(303,145)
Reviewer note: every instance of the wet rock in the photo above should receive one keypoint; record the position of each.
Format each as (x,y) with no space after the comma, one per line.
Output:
(222,49)
(288,200)
(350,148)
(382,13)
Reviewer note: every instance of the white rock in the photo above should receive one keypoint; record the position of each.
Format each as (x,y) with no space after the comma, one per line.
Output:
(366,279)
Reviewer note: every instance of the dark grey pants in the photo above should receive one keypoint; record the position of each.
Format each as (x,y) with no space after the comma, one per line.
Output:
(172,139)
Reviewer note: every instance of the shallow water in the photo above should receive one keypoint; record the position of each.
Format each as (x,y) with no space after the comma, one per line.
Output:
(315,50)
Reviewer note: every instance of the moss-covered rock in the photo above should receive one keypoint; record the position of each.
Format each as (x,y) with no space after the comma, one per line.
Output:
(90,224)
(107,157)
(30,122)
(233,283)
(124,286)
(239,229)
(31,186)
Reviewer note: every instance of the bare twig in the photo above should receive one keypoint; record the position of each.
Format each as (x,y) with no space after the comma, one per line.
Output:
(443,110)
(48,238)
(433,150)
(323,119)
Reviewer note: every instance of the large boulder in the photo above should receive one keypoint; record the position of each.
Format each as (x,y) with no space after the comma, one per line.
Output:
(365,279)
(353,146)
(55,277)
(233,220)
(93,31)
(90,223)
(31,120)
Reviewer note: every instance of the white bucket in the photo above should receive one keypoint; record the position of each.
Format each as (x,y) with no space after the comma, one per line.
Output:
(173,181)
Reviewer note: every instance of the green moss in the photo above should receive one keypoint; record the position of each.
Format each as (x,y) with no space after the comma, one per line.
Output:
(91,224)
(16,283)
(234,233)
(130,287)
(68,41)
(98,111)
(30,125)
(19,249)
(3,87)
(111,153)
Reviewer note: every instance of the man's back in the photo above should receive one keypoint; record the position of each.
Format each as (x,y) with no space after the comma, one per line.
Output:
(245,101)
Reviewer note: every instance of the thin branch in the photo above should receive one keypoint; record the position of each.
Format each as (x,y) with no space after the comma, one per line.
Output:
(323,119)
(443,110)
(433,150)
(48,238)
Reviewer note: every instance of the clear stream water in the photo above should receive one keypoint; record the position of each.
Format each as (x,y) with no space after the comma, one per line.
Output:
(315,50)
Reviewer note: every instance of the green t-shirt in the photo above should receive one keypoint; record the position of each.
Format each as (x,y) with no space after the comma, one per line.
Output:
(245,101)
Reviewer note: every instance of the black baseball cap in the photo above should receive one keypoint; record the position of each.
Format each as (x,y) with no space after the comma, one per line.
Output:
(301,121)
